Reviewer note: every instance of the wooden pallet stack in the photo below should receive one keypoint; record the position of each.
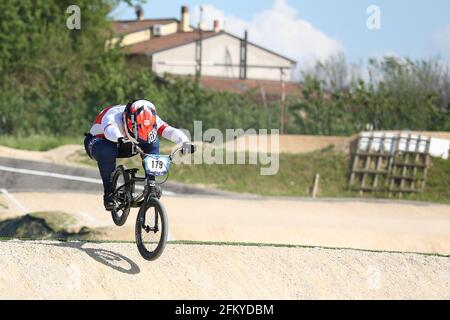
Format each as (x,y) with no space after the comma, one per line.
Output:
(389,168)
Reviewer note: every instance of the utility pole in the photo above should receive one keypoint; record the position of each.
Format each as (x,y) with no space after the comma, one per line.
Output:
(243,57)
(199,47)
(282,102)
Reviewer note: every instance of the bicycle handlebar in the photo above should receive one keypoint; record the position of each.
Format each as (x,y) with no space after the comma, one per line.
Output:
(143,154)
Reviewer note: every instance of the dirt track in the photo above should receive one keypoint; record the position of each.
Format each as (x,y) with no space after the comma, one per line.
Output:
(356,224)
(46,270)
(53,270)
(304,143)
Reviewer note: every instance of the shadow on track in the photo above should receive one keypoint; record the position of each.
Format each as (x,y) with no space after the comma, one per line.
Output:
(108,258)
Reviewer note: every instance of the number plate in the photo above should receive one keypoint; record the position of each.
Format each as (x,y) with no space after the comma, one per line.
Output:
(156,165)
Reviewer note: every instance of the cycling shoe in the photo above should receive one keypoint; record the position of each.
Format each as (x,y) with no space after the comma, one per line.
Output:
(108,202)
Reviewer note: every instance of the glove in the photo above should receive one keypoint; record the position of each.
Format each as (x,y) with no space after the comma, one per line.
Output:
(188,147)
(124,146)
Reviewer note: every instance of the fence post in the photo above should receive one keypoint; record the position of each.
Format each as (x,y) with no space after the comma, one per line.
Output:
(315,185)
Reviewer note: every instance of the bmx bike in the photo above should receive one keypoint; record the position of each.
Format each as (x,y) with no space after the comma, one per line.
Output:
(151,227)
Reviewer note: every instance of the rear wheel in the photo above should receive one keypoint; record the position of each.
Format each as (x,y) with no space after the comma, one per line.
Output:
(151,229)
(122,196)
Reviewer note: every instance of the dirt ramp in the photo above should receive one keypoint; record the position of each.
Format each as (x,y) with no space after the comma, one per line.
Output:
(67,154)
(45,225)
(285,143)
(47,270)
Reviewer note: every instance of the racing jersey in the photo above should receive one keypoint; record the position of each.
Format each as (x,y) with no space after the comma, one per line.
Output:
(109,125)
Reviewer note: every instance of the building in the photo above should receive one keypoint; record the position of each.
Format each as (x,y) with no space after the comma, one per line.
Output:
(176,47)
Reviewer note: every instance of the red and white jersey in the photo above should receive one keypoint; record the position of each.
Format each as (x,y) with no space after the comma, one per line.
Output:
(109,125)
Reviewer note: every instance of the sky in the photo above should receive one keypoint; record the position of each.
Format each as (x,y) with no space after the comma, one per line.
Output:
(306,30)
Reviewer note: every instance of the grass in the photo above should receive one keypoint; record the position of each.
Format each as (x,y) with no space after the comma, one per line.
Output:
(294,178)
(38,142)
(438,183)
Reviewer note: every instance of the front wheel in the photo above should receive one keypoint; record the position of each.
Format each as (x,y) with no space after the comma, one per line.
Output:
(151,229)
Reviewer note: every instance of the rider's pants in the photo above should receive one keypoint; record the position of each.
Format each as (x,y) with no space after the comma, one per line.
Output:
(106,152)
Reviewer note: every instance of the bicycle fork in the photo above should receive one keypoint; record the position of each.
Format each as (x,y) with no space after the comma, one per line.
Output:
(150,192)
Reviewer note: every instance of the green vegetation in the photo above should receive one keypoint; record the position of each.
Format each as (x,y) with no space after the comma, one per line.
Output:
(399,94)
(37,142)
(54,81)
(295,176)
(437,187)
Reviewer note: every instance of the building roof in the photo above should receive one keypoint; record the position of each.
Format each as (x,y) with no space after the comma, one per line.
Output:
(262,48)
(271,88)
(170,41)
(129,26)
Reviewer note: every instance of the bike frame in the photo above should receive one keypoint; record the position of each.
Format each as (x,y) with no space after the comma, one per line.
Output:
(149,188)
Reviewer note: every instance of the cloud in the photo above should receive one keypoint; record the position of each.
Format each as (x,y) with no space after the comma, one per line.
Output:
(279,28)
(442,40)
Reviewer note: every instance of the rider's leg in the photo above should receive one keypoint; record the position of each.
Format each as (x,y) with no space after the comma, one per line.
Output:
(105,152)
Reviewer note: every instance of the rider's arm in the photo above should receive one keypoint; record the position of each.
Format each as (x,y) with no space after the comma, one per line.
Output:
(168,132)
(111,128)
